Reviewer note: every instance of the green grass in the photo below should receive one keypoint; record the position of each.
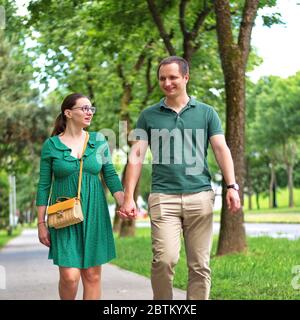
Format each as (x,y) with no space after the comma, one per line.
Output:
(282,214)
(269,217)
(274,210)
(273,218)
(282,199)
(4,237)
(263,272)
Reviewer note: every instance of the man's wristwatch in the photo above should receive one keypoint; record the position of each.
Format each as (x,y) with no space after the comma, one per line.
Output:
(234,186)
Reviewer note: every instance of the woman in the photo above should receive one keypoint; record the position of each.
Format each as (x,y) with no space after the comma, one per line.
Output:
(79,250)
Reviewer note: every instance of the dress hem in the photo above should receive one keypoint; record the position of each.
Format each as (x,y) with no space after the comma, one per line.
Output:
(82,267)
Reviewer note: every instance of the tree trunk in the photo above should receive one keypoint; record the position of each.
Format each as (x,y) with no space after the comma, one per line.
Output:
(117,223)
(125,228)
(32,211)
(272,194)
(128,225)
(234,57)
(249,200)
(290,170)
(274,205)
(89,82)
(290,152)
(257,201)
(249,185)
(232,232)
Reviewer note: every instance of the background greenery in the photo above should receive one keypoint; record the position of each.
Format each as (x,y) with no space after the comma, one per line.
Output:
(109,50)
(264,272)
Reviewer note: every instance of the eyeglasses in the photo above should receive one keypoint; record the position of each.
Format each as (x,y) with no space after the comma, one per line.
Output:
(86,109)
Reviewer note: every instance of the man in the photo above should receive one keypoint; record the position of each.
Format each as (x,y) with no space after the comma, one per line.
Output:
(178,130)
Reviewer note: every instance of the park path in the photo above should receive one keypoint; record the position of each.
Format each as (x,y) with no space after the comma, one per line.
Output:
(27,274)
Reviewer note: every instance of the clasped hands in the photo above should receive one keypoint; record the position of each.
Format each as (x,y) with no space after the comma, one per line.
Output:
(128,209)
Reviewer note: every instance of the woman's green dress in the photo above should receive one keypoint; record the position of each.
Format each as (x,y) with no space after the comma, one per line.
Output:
(89,243)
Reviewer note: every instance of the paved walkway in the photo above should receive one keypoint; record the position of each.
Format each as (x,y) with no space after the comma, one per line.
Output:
(27,274)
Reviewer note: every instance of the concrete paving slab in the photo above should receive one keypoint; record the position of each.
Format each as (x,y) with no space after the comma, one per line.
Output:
(27,274)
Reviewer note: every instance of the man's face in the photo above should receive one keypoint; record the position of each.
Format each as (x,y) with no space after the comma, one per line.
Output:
(171,81)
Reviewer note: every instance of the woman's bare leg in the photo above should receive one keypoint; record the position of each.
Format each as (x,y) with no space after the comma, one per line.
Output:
(91,280)
(68,283)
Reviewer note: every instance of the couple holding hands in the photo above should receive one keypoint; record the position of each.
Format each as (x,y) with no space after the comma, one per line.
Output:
(178,130)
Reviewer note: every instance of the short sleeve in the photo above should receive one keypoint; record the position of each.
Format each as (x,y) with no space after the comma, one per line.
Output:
(141,129)
(45,178)
(214,124)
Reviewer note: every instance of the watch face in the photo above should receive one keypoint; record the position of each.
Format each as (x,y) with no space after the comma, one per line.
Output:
(234,186)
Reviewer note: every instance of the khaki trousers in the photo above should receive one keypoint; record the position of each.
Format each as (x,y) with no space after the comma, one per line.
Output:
(170,214)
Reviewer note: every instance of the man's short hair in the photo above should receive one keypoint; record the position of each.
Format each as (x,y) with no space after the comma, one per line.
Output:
(182,63)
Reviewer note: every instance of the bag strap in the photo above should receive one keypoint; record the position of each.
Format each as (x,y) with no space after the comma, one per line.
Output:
(81,164)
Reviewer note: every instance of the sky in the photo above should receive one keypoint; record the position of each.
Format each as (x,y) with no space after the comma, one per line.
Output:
(278,46)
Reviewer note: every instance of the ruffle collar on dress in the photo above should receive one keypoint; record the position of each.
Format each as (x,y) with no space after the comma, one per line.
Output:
(91,146)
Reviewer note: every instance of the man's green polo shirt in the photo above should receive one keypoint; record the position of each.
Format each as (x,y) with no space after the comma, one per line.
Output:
(179,143)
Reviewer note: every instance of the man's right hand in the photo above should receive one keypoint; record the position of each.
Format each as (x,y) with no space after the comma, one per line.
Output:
(128,209)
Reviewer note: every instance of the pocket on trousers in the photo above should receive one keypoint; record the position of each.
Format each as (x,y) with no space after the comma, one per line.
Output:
(201,203)
(154,205)
(212,196)
(212,199)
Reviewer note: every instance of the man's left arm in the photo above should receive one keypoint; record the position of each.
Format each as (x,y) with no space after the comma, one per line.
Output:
(225,162)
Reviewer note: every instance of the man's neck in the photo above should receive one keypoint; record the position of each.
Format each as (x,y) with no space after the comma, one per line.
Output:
(177,103)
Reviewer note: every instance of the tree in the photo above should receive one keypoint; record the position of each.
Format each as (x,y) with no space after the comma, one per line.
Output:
(4,208)
(96,58)
(190,26)
(277,102)
(106,40)
(22,122)
(234,57)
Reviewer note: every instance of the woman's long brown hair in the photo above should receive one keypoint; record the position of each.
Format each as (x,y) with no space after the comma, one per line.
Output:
(61,121)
